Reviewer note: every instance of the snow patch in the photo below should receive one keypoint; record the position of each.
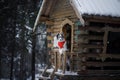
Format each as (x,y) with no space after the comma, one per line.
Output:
(27,27)
(98,7)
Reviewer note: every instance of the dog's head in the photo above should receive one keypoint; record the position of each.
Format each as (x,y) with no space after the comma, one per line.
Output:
(60,37)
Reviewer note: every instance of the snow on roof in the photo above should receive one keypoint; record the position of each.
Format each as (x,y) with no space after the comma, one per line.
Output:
(97,7)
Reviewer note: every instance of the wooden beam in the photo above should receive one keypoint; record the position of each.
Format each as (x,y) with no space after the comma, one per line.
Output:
(91,28)
(102,72)
(104,19)
(117,56)
(49,6)
(90,46)
(49,38)
(50,45)
(49,23)
(90,37)
(101,64)
(99,29)
(105,39)
(49,30)
(111,29)
(43,18)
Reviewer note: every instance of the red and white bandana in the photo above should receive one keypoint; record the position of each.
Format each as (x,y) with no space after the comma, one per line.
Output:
(61,44)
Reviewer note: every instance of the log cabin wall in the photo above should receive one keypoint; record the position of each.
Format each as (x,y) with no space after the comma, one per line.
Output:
(89,53)
(93,42)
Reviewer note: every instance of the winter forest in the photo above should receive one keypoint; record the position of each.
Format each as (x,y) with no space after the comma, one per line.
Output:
(21,51)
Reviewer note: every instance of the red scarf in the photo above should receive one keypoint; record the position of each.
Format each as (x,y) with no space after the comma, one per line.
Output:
(60,44)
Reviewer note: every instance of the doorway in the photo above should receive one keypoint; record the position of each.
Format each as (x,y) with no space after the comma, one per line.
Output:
(67,34)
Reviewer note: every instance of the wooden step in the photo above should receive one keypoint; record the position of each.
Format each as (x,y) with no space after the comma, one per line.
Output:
(49,71)
(44,78)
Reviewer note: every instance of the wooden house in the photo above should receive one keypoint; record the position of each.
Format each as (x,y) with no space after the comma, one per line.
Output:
(93,27)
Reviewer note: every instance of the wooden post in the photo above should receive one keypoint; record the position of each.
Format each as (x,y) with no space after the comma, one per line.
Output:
(105,44)
(64,62)
(55,53)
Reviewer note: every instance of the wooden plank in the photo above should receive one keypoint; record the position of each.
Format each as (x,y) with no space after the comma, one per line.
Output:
(49,7)
(101,64)
(87,55)
(57,23)
(101,72)
(49,23)
(50,45)
(42,18)
(45,70)
(64,16)
(91,28)
(105,39)
(104,20)
(55,60)
(63,13)
(111,29)
(61,6)
(56,26)
(117,56)
(64,63)
(90,37)
(49,38)
(99,29)
(62,10)
(90,46)
(56,29)
(49,30)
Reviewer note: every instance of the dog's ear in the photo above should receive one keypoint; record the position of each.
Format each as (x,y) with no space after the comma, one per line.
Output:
(62,35)
(57,35)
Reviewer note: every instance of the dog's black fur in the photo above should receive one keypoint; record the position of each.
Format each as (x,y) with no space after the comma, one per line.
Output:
(60,36)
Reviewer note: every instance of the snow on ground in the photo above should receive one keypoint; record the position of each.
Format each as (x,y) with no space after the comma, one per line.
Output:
(60,72)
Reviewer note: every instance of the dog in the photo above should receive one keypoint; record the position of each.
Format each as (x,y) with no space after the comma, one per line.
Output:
(59,42)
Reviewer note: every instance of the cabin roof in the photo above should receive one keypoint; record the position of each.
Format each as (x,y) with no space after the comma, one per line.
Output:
(48,7)
(97,7)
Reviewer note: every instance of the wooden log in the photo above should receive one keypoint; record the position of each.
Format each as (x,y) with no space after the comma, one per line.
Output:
(49,38)
(62,10)
(49,23)
(89,46)
(49,30)
(91,28)
(117,56)
(101,64)
(105,39)
(45,70)
(101,72)
(90,37)
(56,66)
(56,29)
(57,23)
(64,63)
(104,20)
(64,16)
(42,19)
(50,45)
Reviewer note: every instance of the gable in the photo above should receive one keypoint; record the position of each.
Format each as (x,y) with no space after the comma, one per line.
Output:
(62,9)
